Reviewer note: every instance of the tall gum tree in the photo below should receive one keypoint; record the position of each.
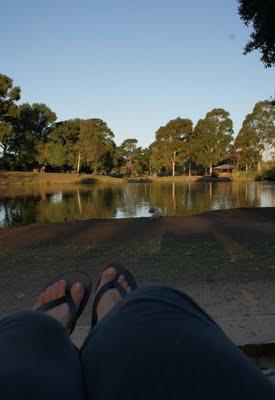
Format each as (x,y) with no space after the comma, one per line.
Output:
(262,122)
(212,137)
(95,140)
(171,145)
(9,95)
(247,146)
(31,128)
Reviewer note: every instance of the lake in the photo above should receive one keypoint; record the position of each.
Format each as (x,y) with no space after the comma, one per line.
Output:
(23,205)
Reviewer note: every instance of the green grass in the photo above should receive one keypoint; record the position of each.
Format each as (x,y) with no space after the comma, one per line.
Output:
(28,178)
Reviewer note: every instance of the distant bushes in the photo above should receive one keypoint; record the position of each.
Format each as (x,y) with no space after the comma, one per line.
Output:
(242,175)
(139,180)
(88,181)
(270,174)
(267,174)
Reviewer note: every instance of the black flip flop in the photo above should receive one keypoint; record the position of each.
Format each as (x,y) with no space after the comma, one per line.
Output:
(70,277)
(113,284)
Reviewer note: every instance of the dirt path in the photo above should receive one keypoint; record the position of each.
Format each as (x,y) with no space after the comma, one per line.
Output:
(224,259)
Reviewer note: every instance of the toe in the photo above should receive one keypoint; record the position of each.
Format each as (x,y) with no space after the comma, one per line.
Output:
(54,291)
(77,292)
(61,288)
(39,301)
(48,294)
(124,283)
(108,275)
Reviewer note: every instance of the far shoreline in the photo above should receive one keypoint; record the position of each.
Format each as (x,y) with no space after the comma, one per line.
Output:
(51,178)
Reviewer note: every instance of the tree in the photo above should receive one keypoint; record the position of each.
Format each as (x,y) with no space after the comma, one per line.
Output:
(261,15)
(143,163)
(262,122)
(31,128)
(171,145)
(248,147)
(127,154)
(60,151)
(212,137)
(6,138)
(9,94)
(95,144)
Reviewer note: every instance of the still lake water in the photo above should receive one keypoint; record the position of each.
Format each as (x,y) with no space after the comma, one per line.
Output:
(23,205)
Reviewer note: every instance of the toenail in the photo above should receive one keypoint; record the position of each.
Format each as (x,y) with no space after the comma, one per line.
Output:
(111,271)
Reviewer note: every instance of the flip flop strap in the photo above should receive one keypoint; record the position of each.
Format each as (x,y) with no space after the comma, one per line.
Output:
(61,300)
(109,285)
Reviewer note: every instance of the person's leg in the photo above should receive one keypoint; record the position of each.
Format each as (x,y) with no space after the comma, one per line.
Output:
(157,343)
(37,357)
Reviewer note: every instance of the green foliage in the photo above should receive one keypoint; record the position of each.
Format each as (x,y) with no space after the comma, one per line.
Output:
(256,135)
(31,128)
(248,146)
(172,144)
(128,155)
(244,176)
(211,138)
(6,136)
(95,145)
(270,174)
(9,94)
(262,121)
(30,138)
(61,148)
(261,15)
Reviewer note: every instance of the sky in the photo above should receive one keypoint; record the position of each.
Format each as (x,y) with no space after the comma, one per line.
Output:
(135,64)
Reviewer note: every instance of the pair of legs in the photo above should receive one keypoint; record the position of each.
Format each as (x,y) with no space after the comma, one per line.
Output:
(156,343)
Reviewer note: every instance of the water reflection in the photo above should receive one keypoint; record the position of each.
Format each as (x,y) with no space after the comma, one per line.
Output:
(26,205)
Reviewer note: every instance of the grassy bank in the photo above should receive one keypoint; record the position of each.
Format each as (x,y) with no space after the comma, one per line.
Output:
(27,178)
(244,176)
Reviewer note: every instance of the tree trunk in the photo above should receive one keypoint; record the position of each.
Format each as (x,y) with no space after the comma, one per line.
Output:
(190,170)
(210,169)
(173,163)
(78,164)
(173,168)
(246,167)
(259,166)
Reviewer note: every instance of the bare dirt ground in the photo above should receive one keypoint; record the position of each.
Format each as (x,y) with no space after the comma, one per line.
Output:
(224,259)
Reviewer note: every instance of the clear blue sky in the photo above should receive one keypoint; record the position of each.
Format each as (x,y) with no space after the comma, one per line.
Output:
(135,64)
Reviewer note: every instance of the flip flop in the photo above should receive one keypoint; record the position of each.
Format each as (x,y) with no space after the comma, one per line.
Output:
(113,284)
(70,277)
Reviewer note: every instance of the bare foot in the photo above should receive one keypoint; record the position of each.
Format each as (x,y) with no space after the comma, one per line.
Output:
(61,313)
(112,296)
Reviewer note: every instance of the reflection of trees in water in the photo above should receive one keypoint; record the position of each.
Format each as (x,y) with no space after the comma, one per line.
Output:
(18,211)
(181,199)
(133,196)
(247,194)
(104,201)
(97,202)
(193,198)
